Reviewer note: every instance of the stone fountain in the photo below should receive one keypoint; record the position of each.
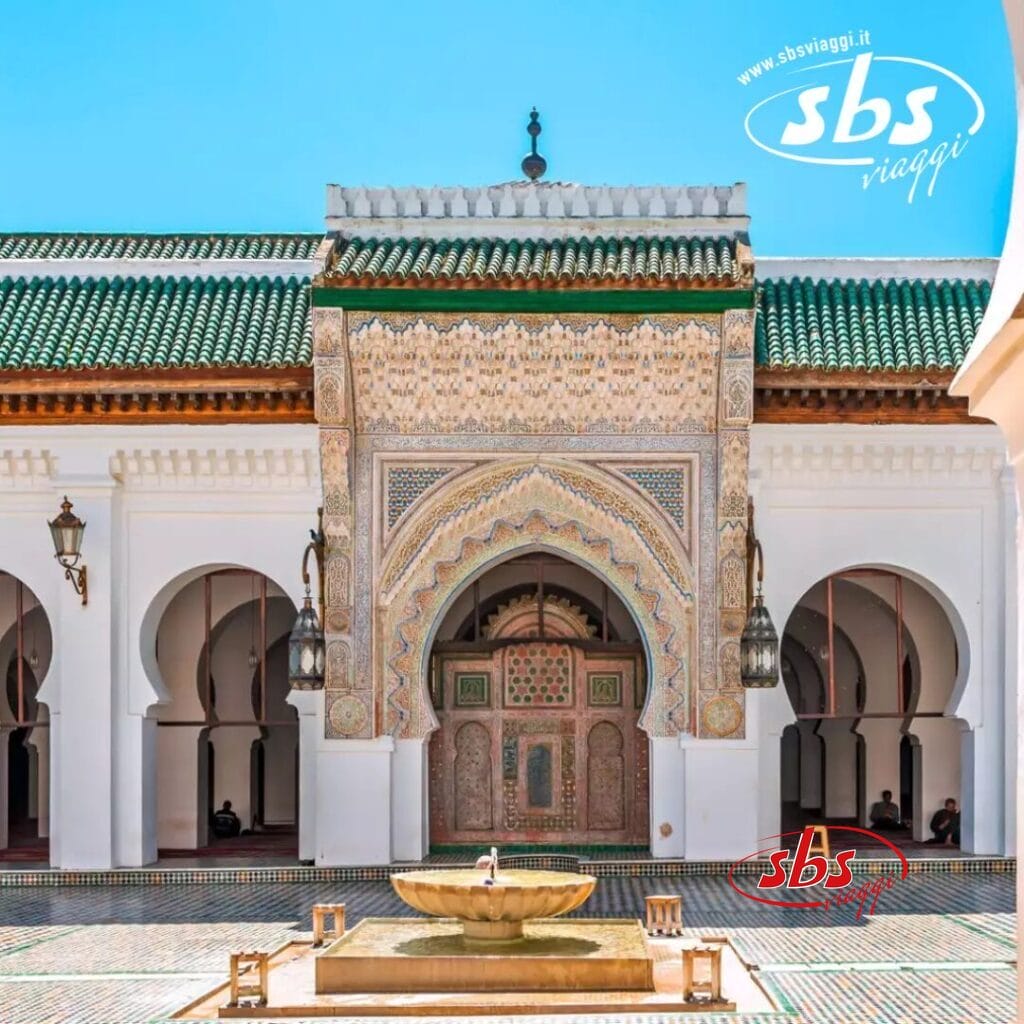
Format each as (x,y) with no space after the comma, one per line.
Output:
(491,904)
(489,930)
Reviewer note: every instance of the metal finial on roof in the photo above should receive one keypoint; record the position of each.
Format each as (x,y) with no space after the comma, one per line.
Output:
(534,165)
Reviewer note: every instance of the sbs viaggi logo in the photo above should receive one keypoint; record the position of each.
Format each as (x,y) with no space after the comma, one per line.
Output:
(897,120)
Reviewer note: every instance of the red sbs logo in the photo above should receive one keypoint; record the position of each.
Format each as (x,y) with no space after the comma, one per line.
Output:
(809,869)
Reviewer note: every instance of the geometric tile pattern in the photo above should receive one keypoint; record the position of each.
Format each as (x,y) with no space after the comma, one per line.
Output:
(935,951)
(538,674)
(669,487)
(406,483)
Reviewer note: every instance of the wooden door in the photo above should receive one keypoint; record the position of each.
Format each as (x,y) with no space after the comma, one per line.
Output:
(539,744)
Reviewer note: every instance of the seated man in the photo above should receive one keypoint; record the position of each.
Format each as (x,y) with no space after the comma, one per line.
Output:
(226,824)
(945,825)
(884,813)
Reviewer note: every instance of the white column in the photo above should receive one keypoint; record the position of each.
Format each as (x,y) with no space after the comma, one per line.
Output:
(135,791)
(182,809)
(280,743)
(840,796)
(940,773)
(881,762)
(410,815)
(40,740)
(353,801)
(812,753)
(82,749)
(5,787)
(232,775)
(667,767)
(306,704)
(1011,616)
(722,802)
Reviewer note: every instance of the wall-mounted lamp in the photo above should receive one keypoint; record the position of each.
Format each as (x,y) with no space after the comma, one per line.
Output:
(759,644)
(67,531)
(306,649)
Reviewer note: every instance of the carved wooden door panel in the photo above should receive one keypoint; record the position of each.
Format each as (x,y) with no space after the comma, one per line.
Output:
(539,744)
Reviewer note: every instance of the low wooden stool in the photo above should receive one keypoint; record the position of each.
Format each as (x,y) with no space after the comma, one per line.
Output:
(243,963)
(819,843)
(711,956)
(664,915)
(321,911)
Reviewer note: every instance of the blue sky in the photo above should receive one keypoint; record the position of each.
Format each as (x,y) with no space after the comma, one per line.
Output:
(200,116)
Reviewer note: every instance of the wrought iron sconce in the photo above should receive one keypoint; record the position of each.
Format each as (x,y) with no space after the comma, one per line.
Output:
(306,646)
(759,644)
(67,531)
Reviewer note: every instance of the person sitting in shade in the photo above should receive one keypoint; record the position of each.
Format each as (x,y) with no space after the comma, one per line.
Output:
(945,825)
(226,824)
(885,815)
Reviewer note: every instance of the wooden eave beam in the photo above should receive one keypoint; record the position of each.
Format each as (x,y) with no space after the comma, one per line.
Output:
(178,395)
(857,396)
(150,380)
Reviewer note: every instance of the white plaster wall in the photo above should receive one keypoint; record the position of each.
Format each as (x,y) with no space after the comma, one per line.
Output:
(162,505)
(721,798)
(925,500)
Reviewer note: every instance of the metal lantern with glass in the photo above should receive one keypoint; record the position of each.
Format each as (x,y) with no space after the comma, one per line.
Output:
(67,531)
(759,644)
(306,654)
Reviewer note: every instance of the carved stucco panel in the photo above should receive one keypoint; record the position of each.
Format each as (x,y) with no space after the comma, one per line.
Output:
(534,374)
(577,511)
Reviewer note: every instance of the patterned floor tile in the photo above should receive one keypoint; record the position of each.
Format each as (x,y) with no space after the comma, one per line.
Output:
(904,997)
(65,951)
(140,948)
(95,1002)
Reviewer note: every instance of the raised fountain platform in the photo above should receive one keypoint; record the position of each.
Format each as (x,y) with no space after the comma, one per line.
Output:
(433,955)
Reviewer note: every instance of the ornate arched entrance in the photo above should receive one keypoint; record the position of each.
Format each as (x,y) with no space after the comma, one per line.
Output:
(537,678)
(580,512)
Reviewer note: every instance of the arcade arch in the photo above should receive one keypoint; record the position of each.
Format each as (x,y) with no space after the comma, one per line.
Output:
(225,731)
(871,666)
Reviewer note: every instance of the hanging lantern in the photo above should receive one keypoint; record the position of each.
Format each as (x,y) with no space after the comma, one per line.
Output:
(759,648)
(306,649)
(254,658)
(759,643)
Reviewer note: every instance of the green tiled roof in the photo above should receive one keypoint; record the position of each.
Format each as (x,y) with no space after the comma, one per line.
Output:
(590,262)
(867,325)
(158,247)
(60,324)
(56,323)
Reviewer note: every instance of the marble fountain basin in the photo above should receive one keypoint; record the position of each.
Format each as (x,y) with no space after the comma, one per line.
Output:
(495,912)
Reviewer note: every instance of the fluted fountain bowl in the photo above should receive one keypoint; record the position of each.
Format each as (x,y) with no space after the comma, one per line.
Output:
(497,911)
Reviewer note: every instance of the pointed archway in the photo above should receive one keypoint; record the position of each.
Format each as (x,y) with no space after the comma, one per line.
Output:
(537,679)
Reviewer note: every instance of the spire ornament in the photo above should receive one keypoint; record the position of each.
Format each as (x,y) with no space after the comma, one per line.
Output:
(534,165)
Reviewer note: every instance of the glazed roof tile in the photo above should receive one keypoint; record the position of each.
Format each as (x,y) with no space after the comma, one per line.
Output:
(80,246)
(538,262)
(888,325)
(61,324)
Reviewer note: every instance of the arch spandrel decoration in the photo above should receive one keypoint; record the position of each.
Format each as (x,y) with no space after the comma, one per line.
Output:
(572,509)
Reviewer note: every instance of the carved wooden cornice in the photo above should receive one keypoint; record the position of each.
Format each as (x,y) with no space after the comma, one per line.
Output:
(215,395)
(813,396)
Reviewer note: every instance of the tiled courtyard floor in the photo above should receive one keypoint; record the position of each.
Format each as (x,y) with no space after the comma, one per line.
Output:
(939,950)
